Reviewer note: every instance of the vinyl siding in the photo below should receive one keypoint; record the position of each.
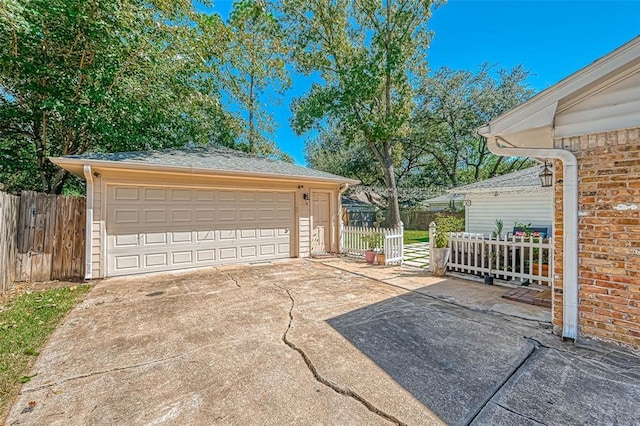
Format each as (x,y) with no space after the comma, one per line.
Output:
(615,107)
(97,228)
(526,207)
(304,224)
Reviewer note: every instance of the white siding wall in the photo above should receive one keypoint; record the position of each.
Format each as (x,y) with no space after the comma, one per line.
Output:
(304,224)
(98,223)
(525,207)
(615,107)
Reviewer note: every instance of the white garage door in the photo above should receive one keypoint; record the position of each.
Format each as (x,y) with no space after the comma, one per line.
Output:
(153,229)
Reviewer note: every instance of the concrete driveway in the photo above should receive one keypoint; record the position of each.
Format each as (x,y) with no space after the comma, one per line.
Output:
(305,343)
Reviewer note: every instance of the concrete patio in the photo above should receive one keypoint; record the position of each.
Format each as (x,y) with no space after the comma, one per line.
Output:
(330,341)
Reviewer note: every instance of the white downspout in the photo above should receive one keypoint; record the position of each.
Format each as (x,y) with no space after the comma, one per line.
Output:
(88,272)
(570,223)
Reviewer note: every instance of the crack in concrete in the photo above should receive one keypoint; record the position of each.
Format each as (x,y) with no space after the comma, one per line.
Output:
(534,348)
(342,390)
(518,414)
(235,281)
(113,370)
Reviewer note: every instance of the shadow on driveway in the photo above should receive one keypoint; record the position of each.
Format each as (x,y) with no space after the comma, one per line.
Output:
(470,367)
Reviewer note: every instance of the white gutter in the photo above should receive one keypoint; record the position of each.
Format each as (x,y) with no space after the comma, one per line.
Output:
(88,272)
(570,221)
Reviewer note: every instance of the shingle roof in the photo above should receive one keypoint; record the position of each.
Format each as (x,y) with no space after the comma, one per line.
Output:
(444,198)
(212,158)
(527,178)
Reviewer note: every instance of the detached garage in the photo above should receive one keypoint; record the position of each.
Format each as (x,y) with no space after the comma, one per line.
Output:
(203,206)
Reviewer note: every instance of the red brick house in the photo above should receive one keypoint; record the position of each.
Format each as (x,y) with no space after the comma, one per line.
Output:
(588,127)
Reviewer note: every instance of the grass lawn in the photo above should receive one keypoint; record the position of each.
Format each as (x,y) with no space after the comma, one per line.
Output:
(25,323)
(415,236)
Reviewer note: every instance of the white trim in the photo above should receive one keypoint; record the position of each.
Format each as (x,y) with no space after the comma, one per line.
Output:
(68,163)
(88,235)
(519,118)
(570,226)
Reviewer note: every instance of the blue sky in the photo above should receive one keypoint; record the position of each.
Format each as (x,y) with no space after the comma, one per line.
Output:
(552,39)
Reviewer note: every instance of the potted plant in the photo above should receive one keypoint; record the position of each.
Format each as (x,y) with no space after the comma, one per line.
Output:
(381,258)
(440,257)
(373,244)
(540,268)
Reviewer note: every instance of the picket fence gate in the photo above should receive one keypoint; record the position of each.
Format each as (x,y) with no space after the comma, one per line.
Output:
(354,242)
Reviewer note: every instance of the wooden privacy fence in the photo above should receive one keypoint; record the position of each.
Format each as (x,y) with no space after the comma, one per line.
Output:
(48,240)
(523,257)
(9,206)
(356,240)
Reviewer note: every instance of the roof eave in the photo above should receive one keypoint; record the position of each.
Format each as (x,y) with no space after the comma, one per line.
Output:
(540,110)
(499,189)
(75,165)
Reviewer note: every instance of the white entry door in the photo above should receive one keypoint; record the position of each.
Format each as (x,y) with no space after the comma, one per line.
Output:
(153,229)
(321,222)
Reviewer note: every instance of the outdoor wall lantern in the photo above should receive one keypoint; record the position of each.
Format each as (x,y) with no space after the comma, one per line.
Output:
(546,176)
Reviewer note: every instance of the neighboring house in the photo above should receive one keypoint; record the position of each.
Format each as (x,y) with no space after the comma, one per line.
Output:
(203,206)
(589,124)
(444,202)
(516,197)
(358,212)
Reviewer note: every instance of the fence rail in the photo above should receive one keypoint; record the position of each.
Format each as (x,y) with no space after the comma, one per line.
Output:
(515,257)
(42,237)
(356,240)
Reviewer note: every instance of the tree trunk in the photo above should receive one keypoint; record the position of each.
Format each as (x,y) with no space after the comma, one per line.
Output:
(393,221)
(251,115)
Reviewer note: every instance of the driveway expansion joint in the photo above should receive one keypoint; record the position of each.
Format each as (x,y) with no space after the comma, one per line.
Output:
(342,390)
(535,346)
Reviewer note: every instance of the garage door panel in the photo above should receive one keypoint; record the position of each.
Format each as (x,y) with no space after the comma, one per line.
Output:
(126,240)
(181,237)
(125,193)
(155,259)
(205,236)
(228,253)
(154,238)
(248,252)
(181,195)
(151,229)
(127,263)
(182,257)
(205,255)
(155,194)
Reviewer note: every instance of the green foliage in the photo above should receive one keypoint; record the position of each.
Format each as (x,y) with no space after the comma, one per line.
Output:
(373,241)
(368,55)
(441,147)
(412,236)
(452,105)
(25,324)
(104,76)
(497,232)
(255,66)
(445,224)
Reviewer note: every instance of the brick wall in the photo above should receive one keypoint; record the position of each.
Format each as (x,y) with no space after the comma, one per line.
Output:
(608,236)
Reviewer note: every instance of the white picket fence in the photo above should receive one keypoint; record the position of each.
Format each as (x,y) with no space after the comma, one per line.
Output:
(507,257)
(354,242)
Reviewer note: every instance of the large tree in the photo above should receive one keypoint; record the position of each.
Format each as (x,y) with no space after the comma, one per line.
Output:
(442,148)
(451,106)
(369,54)
(106,76)
(256,69)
